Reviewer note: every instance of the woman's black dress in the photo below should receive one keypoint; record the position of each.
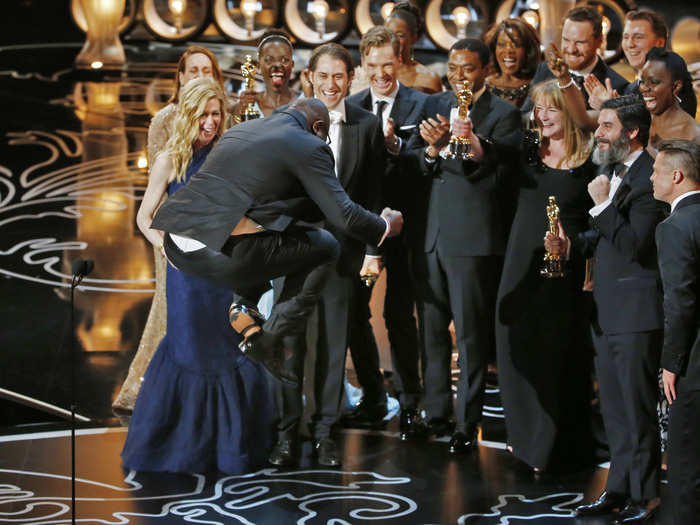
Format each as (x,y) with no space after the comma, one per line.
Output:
(543,343)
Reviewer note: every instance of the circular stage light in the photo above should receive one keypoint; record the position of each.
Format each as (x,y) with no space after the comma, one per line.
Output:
(245,21)
(317,21)
(175,20)
(447,21)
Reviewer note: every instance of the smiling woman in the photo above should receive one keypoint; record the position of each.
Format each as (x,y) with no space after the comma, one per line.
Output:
(664,83)
(275,58)
(515,54)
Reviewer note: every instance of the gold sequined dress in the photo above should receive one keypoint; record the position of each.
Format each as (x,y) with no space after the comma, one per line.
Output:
(153,332)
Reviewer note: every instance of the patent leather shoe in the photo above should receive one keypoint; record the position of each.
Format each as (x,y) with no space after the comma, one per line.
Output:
(262,349)
(368,414)
(411,426)
(463,442)
(635,512)
(285,453)
(327,452)
(606,503)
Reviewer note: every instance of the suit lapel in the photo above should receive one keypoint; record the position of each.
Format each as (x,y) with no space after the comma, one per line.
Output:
(480,109)
(349,145)
(403,105)
(367,101)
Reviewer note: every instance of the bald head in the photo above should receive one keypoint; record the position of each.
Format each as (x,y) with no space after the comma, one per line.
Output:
(315,111)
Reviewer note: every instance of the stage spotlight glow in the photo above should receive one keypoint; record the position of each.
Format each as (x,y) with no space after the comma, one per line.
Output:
(461,18)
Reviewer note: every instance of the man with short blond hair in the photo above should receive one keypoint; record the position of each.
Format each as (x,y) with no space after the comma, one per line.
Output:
(676,180)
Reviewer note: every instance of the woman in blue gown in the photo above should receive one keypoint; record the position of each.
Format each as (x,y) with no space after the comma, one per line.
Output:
(202,406)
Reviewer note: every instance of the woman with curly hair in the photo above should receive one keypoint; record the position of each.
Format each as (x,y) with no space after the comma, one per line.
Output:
(203,404)
(515,54)
(195,62)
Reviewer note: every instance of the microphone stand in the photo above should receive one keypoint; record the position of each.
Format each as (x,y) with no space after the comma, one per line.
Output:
(77,277)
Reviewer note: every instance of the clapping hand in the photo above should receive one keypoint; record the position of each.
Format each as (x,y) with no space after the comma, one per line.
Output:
(598,92)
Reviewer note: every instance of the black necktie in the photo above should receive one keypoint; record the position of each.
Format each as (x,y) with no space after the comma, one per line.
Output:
(381,104)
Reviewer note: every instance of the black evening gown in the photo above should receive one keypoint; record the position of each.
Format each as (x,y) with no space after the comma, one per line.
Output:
(543,344)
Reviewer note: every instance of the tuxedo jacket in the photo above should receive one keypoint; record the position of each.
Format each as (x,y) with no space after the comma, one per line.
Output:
(601,71)
(361,165)
(678,242)
(627,284)
(399,186)
(272,170)
(466,205)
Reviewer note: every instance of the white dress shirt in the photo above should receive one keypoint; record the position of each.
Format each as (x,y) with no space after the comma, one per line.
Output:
(337,116)
(681,197)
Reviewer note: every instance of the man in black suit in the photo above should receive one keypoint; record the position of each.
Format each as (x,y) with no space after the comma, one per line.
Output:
(235,223)
(399,108)
(628,320)
(358,147)
(581,37)
(676,181)
(464,237)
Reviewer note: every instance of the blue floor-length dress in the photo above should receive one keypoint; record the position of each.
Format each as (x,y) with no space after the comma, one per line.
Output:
(202,406)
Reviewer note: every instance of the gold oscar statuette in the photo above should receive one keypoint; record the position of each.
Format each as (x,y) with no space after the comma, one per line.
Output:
(553,264)
(248,71)
(369,279)
(460,147)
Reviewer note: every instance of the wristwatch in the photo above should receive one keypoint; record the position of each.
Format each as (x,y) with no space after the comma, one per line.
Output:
(427,156)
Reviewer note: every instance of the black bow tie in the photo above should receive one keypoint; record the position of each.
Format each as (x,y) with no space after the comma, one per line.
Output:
(617,168)
(578,79)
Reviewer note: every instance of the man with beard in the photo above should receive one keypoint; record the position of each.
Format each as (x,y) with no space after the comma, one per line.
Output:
(628,319)
(581,37)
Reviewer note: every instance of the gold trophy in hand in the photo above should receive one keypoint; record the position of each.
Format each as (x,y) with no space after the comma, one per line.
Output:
(553,264)
(248,71)
(460,147)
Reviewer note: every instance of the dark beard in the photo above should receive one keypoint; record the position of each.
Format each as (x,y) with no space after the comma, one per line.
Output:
(617,152)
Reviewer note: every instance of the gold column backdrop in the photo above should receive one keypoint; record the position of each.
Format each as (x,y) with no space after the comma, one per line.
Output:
(114,242)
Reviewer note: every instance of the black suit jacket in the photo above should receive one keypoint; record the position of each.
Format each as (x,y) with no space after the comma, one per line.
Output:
(361,165)
(466,206)
(399,189)
(678,242)
(601,72)
(272,170)
(627,284)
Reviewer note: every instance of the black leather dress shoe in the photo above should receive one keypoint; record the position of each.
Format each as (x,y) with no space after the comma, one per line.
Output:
(285,453)
(635,512)
(368,414)
(327,452)
(261,348)
(606,503)
(411,426)
(463,442)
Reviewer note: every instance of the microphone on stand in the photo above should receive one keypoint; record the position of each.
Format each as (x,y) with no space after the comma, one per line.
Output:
(80,268)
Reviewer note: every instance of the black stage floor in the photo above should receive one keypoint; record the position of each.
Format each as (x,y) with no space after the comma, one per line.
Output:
(70,182)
